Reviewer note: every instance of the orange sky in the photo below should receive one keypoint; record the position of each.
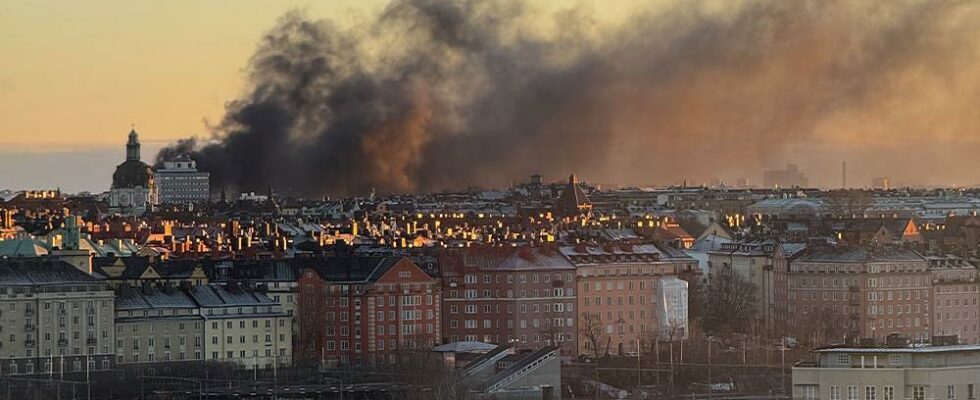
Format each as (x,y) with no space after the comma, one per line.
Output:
(75,74)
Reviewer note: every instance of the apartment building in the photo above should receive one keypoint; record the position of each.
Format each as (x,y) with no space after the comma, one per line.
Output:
(762,263)
(157,325)
(954,290)
(523,296)
(54,318)
(914,373)
(364,310)
(619,291)
(243,326)
(853,292)
(277,277)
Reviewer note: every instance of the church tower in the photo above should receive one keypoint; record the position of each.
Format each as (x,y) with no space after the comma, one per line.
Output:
(133,189)
(133,146)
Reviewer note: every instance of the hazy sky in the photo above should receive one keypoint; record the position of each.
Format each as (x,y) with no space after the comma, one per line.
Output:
(75,74)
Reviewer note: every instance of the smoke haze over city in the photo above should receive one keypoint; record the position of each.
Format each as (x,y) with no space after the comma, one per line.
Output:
(435,94)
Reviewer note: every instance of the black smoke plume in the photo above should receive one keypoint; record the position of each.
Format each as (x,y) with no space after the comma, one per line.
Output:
(434,94)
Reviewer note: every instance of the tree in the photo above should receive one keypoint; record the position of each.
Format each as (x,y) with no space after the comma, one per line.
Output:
(846,203)
(728,303)
(592,333)
(425,369)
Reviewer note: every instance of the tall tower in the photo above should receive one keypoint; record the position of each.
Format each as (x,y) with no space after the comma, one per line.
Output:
(843,174)
(133,146)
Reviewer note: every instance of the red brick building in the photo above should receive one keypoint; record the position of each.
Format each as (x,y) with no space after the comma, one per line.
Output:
(359,310)
(841,292)
(954,291)
(519,295)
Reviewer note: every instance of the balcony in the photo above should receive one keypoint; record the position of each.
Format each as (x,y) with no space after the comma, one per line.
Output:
(62,342)
(91,341)
(30,343)
(29,327)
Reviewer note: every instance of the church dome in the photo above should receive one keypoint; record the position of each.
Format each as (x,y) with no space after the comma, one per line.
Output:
(132,173)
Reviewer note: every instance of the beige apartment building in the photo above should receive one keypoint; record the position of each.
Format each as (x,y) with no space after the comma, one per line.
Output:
(157,325)
(618,292)
(54,318)
(914,373)
(243,326)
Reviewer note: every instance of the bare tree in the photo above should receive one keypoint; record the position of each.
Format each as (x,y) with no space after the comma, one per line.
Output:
(592,332)
(425,369)
(845,203)
(728,303)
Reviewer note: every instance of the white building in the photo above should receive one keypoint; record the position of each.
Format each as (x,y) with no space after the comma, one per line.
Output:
(673,322)
(915,373)
(179,182)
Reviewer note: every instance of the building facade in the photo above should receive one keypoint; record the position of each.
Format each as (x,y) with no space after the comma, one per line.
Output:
(523,296)
(364,310)
(179,182)
(243,326)
(954,290)
(764,265)
(844,292)
(157,325)
(619,294)
(54,318)
(932,372)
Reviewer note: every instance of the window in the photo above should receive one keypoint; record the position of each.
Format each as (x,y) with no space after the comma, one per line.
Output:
(834,392)
(970,394)
(870,393)
(895,360)
(950,392)
(889,392)
(844,359)
(808,392)
(852,392)
(918,392)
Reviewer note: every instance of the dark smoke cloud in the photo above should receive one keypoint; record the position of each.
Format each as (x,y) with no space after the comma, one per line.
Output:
(438,94)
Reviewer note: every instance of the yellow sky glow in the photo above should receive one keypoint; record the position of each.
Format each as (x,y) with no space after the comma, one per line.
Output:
(75,74)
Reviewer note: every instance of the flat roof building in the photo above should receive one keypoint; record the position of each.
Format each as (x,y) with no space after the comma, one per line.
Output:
(179,182)
(916,373)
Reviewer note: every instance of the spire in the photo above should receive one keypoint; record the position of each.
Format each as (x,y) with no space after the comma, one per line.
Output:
(133,145)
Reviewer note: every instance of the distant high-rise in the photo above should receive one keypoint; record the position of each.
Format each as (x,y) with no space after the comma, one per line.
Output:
(881,182)
(180,182)
(843,174)
(785,178)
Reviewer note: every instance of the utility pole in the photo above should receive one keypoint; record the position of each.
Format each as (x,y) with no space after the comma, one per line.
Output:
(88,378)
(637,362)
(782,351)
(710,389)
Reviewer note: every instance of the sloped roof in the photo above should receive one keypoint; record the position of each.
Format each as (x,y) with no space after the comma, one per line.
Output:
(150,298)
(572,199)
(40,271)
(221,296)
(21,247)
(352,269)
(854,254)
